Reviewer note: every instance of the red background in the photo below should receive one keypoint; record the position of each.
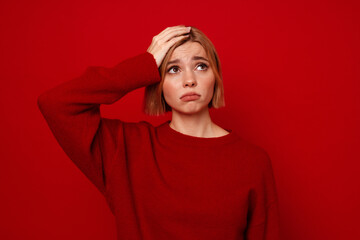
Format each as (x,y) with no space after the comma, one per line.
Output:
(291,77)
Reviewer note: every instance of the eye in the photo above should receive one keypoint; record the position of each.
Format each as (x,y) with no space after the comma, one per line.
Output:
(173,67)
(203,65)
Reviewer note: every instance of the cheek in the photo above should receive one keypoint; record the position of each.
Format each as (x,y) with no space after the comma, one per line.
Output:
(165,89)
(169,90)
(210,87)
(209,79)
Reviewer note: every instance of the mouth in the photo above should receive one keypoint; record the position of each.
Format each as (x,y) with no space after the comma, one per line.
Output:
(190,96)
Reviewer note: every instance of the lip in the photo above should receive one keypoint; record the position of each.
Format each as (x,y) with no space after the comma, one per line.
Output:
(190,94)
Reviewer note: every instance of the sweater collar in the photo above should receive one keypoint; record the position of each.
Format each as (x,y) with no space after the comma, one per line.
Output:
(171,135)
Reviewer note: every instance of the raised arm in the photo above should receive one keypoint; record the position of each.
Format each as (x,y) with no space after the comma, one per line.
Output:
(72,111)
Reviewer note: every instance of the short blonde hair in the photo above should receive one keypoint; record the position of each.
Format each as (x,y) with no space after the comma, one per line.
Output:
(154,101)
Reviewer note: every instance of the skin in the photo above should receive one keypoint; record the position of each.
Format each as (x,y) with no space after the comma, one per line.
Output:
(188,75)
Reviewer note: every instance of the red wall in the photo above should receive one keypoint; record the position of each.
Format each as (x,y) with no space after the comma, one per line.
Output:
(291,76)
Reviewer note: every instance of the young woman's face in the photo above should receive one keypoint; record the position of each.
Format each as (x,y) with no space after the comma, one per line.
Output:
(188,71)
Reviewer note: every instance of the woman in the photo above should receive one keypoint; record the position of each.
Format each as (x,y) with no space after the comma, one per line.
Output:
(187,178)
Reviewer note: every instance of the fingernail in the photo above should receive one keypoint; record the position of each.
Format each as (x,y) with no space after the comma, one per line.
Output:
(188,28)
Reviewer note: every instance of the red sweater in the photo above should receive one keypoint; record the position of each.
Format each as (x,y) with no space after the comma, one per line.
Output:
(160,183)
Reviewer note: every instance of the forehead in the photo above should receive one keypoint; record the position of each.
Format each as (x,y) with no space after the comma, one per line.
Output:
(187,50)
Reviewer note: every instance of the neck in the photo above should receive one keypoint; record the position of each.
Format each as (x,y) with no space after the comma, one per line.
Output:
(197,125)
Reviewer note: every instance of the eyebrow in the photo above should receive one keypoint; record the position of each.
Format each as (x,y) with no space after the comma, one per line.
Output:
(194,58)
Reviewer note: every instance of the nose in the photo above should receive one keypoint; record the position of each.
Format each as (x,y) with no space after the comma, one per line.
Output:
(189,80)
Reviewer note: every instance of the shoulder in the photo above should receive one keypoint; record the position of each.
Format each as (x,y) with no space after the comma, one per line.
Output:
(256,155)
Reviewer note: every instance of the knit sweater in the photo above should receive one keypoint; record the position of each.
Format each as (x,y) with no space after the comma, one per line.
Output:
(160,183)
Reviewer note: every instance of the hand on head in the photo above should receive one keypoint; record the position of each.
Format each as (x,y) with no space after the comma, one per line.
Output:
(162,42)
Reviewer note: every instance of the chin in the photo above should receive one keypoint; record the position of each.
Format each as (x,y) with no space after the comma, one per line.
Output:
(190,110)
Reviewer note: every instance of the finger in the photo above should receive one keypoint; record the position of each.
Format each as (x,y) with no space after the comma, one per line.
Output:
(174,40)
(172,33)
(168,29)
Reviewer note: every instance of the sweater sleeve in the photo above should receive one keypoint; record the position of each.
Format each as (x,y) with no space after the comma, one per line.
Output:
(72,111)
(263,213)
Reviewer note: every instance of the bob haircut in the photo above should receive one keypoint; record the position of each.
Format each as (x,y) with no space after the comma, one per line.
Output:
(154,101)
